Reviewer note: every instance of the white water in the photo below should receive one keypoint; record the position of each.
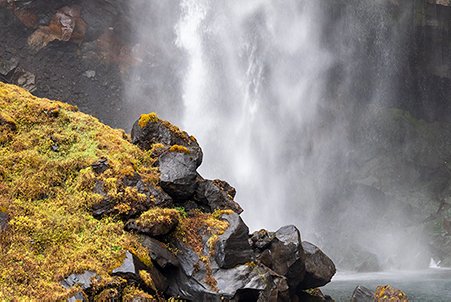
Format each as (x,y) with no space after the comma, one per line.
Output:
(241,94)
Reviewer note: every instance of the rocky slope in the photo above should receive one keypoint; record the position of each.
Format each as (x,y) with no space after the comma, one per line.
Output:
(89,213)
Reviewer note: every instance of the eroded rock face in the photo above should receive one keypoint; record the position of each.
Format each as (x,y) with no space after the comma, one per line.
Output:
(319,269)
(362,294)
(217,195)
(232,247)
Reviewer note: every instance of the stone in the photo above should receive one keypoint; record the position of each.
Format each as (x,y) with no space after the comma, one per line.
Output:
(362,294)
(7,66)
(261,239)
(24,79)
(130,270)
(288,256)
(159,253)
(100,166)
(178,175)
(82,280)
(232,247)
(90,74)
(150,130)
(217,195)
(4,220)
(319,269)
(313,295)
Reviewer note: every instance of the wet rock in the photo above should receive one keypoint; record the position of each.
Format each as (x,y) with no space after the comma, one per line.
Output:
(150,130)
(154,228)
(388,293)
(232,247)
(288,256)
(159,252)
(261,239)
(82,280)
(178,175)
(4,220)
(319,269)
(362,294)
(217,195)
(100,166)
(130,270)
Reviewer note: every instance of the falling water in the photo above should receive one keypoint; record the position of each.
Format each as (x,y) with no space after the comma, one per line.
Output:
(278,94)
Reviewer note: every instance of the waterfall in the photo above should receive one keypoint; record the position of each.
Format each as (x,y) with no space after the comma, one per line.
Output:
(284,96)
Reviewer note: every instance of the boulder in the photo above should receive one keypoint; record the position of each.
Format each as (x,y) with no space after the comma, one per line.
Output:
(362,294)
(319,269)
(150,130)
(131,270)
(82,280)
(288,258)
(217,195)
(261,239)
(178,175)
(232,247)
(312,295)
(159,253)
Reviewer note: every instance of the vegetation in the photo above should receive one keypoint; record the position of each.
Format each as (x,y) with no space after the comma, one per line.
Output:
(180,149)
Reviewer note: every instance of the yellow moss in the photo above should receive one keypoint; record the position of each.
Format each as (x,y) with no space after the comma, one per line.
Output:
(145,119)
(161,215)
(147,279)
(48,196)
(180,149)
(132,293)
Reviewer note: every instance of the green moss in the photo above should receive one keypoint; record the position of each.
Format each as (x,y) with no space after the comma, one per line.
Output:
(48,194)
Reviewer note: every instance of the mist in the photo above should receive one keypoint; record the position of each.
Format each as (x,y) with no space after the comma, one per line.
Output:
(290,101)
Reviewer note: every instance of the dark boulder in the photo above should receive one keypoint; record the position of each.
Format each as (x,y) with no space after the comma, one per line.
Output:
(362,294)
(217,195)
(100,166)
(150,130)
(232,247)
(130,271)
(261,239)
(319,269)
(159,253)
(178,175)
(288,258)
(83,281)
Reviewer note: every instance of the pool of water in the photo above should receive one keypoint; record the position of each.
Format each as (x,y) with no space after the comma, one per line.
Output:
(432,285)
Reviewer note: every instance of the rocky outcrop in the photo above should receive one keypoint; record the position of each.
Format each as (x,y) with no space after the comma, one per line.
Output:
(362,294)
(319,269)
(117,228)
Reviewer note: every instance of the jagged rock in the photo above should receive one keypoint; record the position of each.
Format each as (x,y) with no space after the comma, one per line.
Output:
(178,175)
(150,130)
(288,258)
(217,194)
(362,294)
(4,220)
(232,247)
(159,252)
(82,280)
(387,293)
(100,166)
(8,66)
(261,239)
(319,269)
(130,270)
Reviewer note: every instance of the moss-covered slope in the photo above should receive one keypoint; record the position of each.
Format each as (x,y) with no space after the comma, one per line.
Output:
(46,190)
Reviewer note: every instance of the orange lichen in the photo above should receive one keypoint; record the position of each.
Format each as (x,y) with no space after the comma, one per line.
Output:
(145,119)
